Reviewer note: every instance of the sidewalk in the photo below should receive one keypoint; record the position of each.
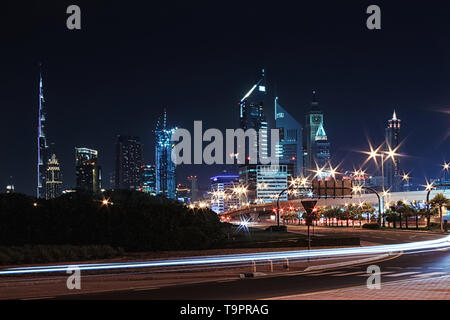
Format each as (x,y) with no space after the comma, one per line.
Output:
(437,288)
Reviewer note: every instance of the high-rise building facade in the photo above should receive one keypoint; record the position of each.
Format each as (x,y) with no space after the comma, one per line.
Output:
(252,116)
(53,181)
(165,167)
(193,181)
(43,152)
(128,163)
(392,166)
(271,180)
(183,194)
(88,172)
(316,147)
(148,179)
(290,149)
(223,197)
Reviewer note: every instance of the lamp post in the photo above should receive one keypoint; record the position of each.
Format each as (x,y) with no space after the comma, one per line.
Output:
(373,154)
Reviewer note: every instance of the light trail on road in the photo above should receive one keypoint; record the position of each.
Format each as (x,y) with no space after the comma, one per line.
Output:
(239,258)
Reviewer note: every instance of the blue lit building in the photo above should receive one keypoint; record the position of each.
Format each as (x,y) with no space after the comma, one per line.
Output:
(165,167)
(222,197)
(290,149)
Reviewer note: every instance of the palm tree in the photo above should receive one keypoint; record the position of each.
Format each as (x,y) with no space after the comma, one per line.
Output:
(404,210)
(333,212)
(391,217)
(438,202)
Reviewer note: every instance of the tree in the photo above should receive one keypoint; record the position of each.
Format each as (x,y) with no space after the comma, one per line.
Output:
(437,203)
(404,210)
(332,213)
(391,217)
(368,209)
(350,212)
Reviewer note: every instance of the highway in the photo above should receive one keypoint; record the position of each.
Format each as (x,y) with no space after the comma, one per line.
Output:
(415,256)
(427,264)
(407,266)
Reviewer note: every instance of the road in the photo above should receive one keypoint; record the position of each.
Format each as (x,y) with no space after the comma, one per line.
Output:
(421,265)
(373,236)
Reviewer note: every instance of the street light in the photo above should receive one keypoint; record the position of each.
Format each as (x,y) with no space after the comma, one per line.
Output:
(446,167)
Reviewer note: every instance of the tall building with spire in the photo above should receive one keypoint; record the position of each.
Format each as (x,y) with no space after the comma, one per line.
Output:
(42,146)
(290,149)
(316,147)
(392,167)
(165,167)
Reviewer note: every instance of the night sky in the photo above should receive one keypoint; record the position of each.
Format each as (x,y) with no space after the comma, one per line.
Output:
(131,59)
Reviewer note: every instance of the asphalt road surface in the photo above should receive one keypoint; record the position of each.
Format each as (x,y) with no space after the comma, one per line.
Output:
(423,265)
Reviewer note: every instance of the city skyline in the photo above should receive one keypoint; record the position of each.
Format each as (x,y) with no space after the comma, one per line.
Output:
(411,81)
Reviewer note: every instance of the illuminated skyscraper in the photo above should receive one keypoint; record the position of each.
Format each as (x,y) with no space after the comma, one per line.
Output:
(252,116)
(53,181)
(43,155)
(88,172)
(251,113)
(392,167)
(222,196)
(316,148)
(148,179)
(183,194)
(128,163)
(290,149)
(271,180)
(165,167)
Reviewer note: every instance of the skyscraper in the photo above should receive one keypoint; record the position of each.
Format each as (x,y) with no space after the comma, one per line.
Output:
(316,146)
(392,167)
(88,172)
(194,188)
(148,178)
(53,181)
(128,163)
(252,116)
(251,113)
(43,155)
(183,194)
(165,167)
(290,149)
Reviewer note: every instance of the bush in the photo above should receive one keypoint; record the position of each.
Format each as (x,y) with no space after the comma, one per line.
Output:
(41,253)
(134,221)
(373,226)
